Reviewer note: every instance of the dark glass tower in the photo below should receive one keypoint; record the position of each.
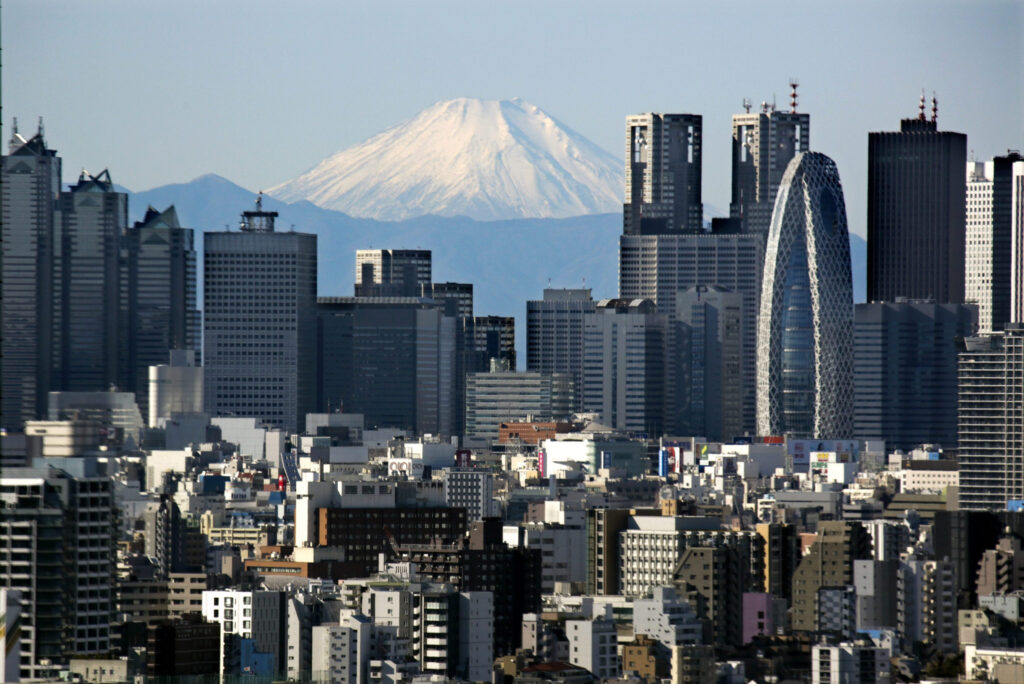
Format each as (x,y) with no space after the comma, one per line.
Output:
(916,213)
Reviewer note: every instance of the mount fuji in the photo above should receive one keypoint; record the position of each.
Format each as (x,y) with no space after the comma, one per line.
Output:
(484,159)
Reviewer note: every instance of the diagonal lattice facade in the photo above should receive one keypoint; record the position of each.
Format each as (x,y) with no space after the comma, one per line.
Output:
(805,325)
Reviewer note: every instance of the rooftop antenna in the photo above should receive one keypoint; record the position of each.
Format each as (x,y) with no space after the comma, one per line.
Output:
(935,108)
(14,127)
(259,195)
(746,105)
(920,107)
(40,127)
(773,102)
(794,83)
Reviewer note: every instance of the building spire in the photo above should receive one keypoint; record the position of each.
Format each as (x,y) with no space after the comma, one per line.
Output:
(14,127)
(40,133)
(935,108)
(794,83)
(920,107)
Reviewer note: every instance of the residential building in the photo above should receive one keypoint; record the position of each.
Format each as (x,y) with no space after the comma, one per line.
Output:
(341,652)
(504,396)
(781,557)
(805,328)
(663,174)
(593,645)
(989,237)
(30,230)
(58,524)
(667,618)
(471,489)
(905,371)
(991,419)
(554,334)
(828,563)
(246,615)
(763,143)
(927,603)
(874,582)
(260,321)
(859,662)
(916,212)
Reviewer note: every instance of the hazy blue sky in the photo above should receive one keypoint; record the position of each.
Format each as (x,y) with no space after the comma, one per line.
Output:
(259,91)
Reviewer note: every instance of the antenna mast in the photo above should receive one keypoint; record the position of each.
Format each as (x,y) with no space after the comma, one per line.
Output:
(794,83)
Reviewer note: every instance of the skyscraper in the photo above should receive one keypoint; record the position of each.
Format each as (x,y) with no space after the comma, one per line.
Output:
(259,347)
(663,174)
(905,371)
(624,365)
(393,359)
(762,144)
(916,213)
(554,333)
(30,234)
(656,267)
(805,329)
(709,389)
(989,237)
(991,419)
(494,339)
(93,218)
(160,297)
(1017,248)
(392,272)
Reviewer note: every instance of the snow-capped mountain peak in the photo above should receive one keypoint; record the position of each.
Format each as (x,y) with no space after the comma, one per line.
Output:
(487,159)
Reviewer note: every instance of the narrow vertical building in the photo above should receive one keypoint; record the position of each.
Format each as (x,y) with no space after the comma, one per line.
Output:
(805,328)
(29,229)
(991,420)
(160,294)
(260,322)
(663,174)
(93,219)
(916,212)
(989,237)
(763,142)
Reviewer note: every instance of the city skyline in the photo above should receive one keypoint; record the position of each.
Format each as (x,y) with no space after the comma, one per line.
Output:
(849,91)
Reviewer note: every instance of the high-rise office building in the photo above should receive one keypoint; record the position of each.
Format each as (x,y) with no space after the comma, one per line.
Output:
(93,218)
(989,237)
(160,297)
(393,359)
(805,329)
(1017,248)
(260,322)
(392,272)
(494,340)
(709,386)
(460,296)
(763,142)
(656,267)
(508,396)
(30,236)
(663,174)
(916,213)
(905,371)
(60,535)
(554,333)
(624,365)
(991,419)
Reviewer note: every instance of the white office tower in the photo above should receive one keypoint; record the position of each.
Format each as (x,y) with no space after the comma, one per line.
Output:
(849,662)
(30,235)
(663,174)
(259,346)
(991,224)
(59,530)
(805,328)
(763,143)
(594,646)
(175,388)
(657,267)
(624,364)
